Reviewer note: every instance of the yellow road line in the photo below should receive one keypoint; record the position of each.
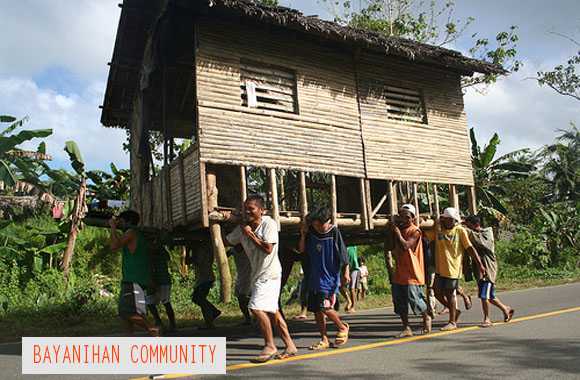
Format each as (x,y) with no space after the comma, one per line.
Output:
(393,342)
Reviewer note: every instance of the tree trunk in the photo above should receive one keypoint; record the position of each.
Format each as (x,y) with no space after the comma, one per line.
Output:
(76,220)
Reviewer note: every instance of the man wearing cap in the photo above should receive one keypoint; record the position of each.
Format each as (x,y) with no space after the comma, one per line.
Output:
(451,241)
(408,278)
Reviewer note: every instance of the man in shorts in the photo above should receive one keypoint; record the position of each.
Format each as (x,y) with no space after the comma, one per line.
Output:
(328,260)
(409,274)
(136,274)
(483,241)
(258,236)
(451,241)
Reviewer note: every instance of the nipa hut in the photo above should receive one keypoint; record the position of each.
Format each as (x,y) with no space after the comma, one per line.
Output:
(301,109)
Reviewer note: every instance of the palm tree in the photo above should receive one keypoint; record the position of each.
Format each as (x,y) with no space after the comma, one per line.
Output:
(562,165)
(491,174)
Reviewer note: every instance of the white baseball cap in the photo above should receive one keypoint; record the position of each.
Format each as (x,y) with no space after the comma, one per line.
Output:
(408,207)
(452,213)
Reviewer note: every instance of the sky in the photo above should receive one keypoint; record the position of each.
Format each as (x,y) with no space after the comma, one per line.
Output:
(53,68)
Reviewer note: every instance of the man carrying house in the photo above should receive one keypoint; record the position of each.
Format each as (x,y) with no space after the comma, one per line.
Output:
(409,274)
(258,236)
(328,260)
(483,241)
(451,241)
(136,271)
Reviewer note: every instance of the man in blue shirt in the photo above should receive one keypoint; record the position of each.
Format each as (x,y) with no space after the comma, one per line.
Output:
(328,260)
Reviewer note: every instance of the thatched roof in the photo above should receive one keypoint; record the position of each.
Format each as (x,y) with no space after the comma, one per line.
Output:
(295,20)
(138,18)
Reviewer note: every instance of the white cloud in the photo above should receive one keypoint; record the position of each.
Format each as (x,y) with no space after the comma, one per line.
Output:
(78,35)
(524,114)
(72,117)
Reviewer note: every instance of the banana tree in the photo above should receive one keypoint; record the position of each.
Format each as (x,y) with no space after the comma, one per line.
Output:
(16,163)
(79,209)
(491,174)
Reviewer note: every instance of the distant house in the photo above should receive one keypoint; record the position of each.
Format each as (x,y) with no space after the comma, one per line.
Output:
(309,102)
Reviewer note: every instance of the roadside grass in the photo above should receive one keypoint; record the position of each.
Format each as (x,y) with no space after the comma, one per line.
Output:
(99,317)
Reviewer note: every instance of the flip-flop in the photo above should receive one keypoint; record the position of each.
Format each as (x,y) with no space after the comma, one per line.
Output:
(319,346)
(405,334)
(510,315)
(486,325)
(264,358)
(342,337)
(286,355)
(449,327)
(300,317)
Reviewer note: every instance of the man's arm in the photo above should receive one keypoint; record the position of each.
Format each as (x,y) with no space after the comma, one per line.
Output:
(302,240)
(473,253)
(268,248)
(117,241)
(410,243)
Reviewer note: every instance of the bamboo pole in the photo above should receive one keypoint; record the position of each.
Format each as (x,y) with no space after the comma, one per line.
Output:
(392,200)
(379,205)
(333,199)
(453,196)
(243,187)
(436,201)
(282,192)
(274,196)
(369,204)
(472,199)
(363,205)
(219,250)
(416,202)
(429,199)
(303,196)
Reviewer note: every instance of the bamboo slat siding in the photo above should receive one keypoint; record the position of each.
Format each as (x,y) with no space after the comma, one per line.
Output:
(323,136)
(434,152)
(162,197)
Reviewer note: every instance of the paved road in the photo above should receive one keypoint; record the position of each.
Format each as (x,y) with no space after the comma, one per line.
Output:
(543,342)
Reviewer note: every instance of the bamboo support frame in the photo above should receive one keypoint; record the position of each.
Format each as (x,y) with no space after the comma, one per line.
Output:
(453,196)
(303,196)
(282,193)
(436,201)
(333,199)
(472,200)
(219,250)
(274,196)
(243,187)
(392,199)
(363,205)
(369,203)
(429,199)
(416,202)
(379,205)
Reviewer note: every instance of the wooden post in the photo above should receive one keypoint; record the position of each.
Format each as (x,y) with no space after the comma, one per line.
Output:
(333,199)
(282,192)
(219,250)
(274,196)
(453,197)
(182,185)
(472,200)
(436,200)
(392,200)
(363,205)
(416,202)
(303,196)
(243,187)
(369,203)
(429,199)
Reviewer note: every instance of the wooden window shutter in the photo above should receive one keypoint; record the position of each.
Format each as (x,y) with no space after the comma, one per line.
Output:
(268,87)
(405,105)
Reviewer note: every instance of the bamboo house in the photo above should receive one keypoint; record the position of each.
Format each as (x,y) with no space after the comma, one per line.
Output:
(298,108)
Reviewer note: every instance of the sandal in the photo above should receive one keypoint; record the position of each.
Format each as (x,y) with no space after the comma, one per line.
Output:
(449,327)
(509,316)
(486,324)
(406,333)
(342,337)
(319,346)
(264,358)
(300,318)
(286,355)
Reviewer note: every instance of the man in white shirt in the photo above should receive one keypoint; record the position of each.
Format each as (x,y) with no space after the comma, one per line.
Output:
(258,235)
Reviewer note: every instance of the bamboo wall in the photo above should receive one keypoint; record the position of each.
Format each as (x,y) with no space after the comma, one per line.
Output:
(437,151)
(173,197)
(325,135)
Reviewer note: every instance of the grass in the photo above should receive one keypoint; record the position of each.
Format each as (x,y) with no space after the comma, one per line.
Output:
(99,317)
